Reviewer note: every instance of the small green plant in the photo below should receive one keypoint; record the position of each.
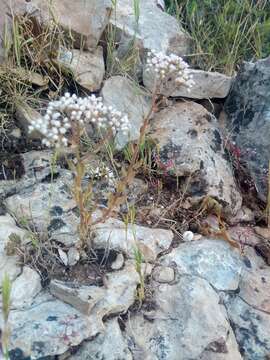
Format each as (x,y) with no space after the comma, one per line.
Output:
(6,292)
(224,32)
(139,260)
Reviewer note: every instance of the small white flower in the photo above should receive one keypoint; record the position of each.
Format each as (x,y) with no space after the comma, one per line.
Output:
(170,67)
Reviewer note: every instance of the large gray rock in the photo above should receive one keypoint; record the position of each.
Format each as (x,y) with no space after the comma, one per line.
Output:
(114,235)
(9,264)
(188,321)
(87,67)
(189,138)
(248,109)
(155,29)
(49,327)
(214,260)
(127,97)
(251,328)
(109,345)
(25,288)
(207,85)
(48,206)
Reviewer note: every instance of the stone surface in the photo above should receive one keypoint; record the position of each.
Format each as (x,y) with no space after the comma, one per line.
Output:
(188,320)
(49,207)
(248,112)
(118,262)
(113,235)
(163,274)
(24,115)
(9,264)
(25,288)
(73,256)
(244,215)
(264,232)
(49,327)
(251,328)
(214,260)
(127,97)
(82,298)
(37,164)
(87,67)
(189,139)
(86,20)
(155,29)
(207,85)
(108,345)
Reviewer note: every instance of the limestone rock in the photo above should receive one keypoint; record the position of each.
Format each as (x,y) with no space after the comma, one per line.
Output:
(24,115)
(9,264)
(48,206)
(109,345)
(112,234)
(163,274)
(49,327)
(207,85)
(188,137)
(214,260)
(82,298)
(87,67)
(188,320)
(248,113)
(251,328)
(25,288)
(155,30)
(127,97)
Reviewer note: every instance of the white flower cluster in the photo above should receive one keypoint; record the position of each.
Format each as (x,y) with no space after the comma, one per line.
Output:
(71,112)
(169,67)
(101,172)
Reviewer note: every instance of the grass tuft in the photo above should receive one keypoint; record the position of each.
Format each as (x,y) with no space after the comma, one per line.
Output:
(225,32)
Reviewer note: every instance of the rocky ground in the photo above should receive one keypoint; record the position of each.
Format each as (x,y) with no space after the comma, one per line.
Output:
(207,292)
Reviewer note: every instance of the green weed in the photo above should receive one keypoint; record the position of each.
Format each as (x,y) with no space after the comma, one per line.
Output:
(225,32)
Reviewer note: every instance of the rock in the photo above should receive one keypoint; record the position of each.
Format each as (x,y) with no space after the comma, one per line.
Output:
(25,288)
(163,274)
(127,97)
(109,345)
(113,235)
(82,298)
(85,20)
(244,235)
(155,30)
(118,262)
(87,67)
(189,139)
(37,164)
(244,215)
(9,264)
(207,85)
(255,288)
(116,296)
(188,320)
(25,115)
(264,232)
(251,328)
(49,327)
(48,206)
(248,110)
(63,257)
(214,260)
(73,256)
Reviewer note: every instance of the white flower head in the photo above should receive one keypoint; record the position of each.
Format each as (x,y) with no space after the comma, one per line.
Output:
(171,67)
(73,112)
